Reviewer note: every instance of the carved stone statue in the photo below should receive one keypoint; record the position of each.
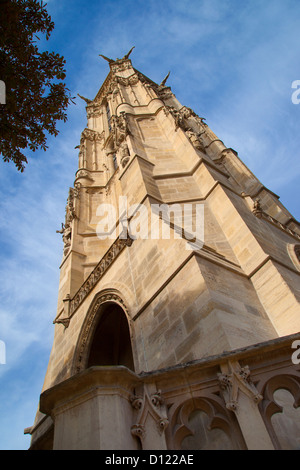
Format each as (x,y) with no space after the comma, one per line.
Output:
(195,140)
(125,154)
(257,210)
(120,129)
(66,232)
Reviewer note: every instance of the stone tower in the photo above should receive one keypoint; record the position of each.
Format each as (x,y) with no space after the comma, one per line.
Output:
(178,305)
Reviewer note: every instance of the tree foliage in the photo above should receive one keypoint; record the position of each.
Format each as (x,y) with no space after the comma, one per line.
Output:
(36,95)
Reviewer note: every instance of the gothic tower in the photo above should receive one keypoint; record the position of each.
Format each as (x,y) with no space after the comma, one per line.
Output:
(178,302)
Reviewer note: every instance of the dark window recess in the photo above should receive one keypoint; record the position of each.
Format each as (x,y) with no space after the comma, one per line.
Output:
(111,343)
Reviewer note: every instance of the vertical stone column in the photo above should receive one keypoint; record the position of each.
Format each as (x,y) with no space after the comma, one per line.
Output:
(150,418)
(242,397)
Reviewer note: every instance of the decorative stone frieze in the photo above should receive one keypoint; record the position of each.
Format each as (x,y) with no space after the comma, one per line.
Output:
(99,271)
(258,212)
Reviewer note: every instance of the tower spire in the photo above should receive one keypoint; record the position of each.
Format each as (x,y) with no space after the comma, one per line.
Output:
(178,298)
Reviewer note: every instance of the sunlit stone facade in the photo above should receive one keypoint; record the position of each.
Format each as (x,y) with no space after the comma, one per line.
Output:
(170,341)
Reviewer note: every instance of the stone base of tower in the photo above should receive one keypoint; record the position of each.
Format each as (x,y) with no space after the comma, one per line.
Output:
(221,402)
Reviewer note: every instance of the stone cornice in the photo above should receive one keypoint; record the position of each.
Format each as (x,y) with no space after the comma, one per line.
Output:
(105,378)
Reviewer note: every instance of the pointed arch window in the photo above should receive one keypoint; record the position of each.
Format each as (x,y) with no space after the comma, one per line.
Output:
(111,342)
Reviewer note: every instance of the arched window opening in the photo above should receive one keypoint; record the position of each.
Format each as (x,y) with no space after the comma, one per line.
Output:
(111,343)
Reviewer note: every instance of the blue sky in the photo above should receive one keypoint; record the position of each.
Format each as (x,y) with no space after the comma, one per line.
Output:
(232,62)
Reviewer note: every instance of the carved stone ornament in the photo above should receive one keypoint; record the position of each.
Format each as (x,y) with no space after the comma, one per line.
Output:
(149,405)
(238,380)
(120,129)
(261,214)
(66,228)
(70,208)
(66,232)
(83,174)
(196,140)
(132,80)
(124,154)
(63,321)
(177,116)
(92,135)
(257,210)
(163,92)
(121,65)
(182,117)
(93,110)
(138,430)
(99,271)
(77,187)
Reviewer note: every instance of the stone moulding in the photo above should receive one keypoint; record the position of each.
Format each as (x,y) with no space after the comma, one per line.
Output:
(294,254)
(71,305)
(258,212)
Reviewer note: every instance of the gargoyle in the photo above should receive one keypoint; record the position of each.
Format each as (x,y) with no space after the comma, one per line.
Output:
(164,80)
(87,100)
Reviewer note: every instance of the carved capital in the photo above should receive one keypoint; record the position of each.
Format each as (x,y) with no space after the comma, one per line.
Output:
(238,380)
(138,430)
(149,405)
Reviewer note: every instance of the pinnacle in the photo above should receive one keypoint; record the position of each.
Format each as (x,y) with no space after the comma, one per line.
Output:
(112,61)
